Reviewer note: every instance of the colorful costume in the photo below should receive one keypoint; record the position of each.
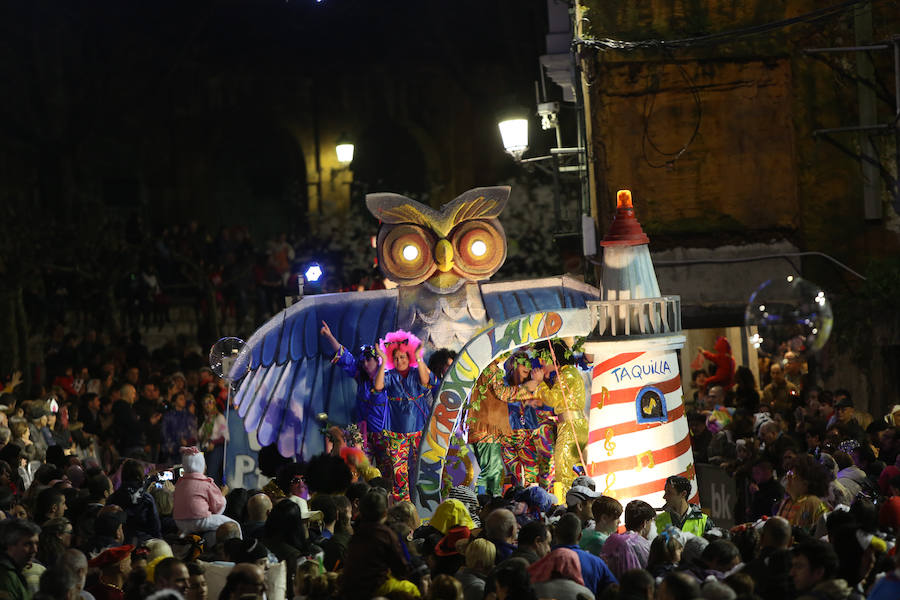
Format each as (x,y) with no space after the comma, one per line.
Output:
(371,408)
(409,404)
(519,449)
(489,426)
(566,398)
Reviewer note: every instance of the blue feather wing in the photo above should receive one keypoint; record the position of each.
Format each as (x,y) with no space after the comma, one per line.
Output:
(290,378)
(509,299)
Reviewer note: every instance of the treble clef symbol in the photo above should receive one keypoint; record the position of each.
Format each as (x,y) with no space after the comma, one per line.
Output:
(609,445)
(610,481)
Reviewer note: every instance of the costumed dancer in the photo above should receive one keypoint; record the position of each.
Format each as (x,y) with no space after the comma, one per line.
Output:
(488,423)
(519,451)
(724,362)
(371,411)
(408,382)
(564,391)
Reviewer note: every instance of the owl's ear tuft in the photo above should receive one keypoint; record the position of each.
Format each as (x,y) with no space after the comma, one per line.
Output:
(477,203)
(395,208)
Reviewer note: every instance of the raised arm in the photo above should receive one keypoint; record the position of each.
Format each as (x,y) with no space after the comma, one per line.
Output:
(379,376)
(424,371)
(510,393)
(326,331)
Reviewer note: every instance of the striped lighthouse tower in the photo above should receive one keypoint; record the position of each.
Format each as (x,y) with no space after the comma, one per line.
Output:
(638,432)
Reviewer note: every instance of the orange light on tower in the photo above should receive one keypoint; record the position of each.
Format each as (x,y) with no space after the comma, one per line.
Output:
(638,433)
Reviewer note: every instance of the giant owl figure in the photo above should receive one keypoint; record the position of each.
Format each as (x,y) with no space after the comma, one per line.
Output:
(440,260)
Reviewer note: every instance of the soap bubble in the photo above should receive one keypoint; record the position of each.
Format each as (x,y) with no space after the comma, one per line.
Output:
(228,359)
(790,311)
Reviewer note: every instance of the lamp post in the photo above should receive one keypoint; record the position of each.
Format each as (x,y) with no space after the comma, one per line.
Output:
(562,160)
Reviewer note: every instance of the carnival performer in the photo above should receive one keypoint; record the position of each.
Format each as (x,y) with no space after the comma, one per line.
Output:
(371,411)
(407,382)
(488,422)
(563,392)
(519,451)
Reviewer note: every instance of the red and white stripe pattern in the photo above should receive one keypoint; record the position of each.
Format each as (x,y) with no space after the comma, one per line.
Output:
(630,460)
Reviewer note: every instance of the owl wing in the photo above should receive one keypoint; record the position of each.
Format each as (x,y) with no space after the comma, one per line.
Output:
(290,378)
(509,299)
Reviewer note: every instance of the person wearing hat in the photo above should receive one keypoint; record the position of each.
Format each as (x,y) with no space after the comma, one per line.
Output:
(489,424)
(845,417)
(287,533)
(371,407)
(579,500)
(199,503)
(448,558)
(679,512)
(114,565)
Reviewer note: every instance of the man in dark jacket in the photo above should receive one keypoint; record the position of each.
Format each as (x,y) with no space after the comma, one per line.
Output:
(128,427)
(19,541)
(140,509)
(374,551)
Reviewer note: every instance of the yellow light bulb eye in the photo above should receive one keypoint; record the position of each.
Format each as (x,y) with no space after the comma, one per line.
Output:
(479,248)
(410,252)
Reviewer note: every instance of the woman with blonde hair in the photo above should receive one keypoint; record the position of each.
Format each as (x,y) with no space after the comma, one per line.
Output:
(480,556)
(212,435)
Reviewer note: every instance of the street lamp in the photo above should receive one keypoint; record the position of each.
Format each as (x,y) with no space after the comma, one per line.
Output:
(562,163)
(514,132)
(344,150)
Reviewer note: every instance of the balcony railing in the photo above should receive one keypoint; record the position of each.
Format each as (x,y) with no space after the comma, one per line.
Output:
(639,317)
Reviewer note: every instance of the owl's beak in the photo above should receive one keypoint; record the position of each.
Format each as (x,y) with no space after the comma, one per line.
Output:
(443,256)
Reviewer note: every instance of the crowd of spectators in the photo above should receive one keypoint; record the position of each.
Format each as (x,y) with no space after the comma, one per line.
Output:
(150,272)
(111,486)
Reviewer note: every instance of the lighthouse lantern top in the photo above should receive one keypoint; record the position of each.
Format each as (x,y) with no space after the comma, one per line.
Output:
(625,229)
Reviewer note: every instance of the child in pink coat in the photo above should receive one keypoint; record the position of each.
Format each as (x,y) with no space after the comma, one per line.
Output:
(199,502)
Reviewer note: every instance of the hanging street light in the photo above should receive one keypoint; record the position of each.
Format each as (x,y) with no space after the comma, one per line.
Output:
(514,132)
(344,149)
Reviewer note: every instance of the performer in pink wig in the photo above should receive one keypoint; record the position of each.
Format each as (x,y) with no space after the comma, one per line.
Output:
(408,382)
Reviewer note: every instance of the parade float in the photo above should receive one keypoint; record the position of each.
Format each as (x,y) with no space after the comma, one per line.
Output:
(286,388)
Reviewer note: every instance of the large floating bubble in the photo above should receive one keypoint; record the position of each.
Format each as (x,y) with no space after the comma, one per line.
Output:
(789,311)
(227,358)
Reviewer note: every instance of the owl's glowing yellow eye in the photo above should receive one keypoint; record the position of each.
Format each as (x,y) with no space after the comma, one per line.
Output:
(405,253)
(479,248)
(410,252)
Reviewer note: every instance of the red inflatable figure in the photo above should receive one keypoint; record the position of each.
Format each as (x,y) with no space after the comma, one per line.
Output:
(724,374)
